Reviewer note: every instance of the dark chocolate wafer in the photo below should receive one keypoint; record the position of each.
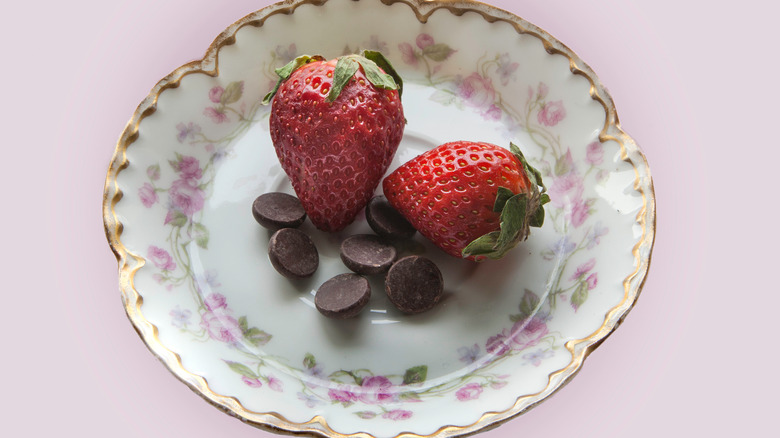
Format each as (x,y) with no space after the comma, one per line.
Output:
(386,221)
(277,210)
(343,296)
(367,254)
(414,284)
(292,253)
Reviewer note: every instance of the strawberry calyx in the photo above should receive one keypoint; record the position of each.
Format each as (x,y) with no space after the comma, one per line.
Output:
(377,68)
(285,72)
(518,212)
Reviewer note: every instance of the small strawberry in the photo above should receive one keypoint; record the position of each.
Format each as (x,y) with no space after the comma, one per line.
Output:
(335,126)
(473,200)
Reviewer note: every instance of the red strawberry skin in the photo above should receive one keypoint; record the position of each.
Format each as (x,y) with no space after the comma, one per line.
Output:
(448,193)
(335,153)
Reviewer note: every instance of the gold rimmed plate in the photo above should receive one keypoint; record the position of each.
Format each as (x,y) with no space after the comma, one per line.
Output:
(194,271)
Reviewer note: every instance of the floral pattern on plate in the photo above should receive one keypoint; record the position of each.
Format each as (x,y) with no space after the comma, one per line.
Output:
(177,183)
(474,91)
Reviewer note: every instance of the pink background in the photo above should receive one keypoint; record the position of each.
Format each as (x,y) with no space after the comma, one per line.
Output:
(693,82)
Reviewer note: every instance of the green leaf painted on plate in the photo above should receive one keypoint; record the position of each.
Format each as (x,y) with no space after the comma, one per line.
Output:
(257,337)
(528,304)
(153,172)
(201,235)
(309,361)
(580,295)
(438,52)
(416,374)
(409,396)
(366,415)
(443,97)
(232,92)
(178,219)
(242,369)
(562,166)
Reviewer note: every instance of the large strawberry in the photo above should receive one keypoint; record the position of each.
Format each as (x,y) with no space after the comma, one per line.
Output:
(473,200)
(335,126)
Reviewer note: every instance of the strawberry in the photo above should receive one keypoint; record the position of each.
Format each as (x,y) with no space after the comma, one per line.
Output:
(473,200)
(335,126)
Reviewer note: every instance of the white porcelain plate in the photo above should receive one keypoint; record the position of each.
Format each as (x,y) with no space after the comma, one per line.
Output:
(199,288)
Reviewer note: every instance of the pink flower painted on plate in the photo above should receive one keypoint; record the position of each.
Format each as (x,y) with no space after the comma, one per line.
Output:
(493,113)
(469,392)
(592,280)
(397,414)
(375,390)
(566,189)
(215,301)
(170,216)
(189,168)
(583,269)
(186,197)
(579,213)
(254,383)
(341,395)
(223,328)
(477,91)
(215,94)
(407,53)
(497,344)
(424,40)
(275,384)
(161,258)
(594,153)
(551,113)
(148,195)
(527,334)
(217,115)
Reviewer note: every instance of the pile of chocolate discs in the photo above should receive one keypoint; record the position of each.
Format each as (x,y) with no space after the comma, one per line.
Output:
(413,283)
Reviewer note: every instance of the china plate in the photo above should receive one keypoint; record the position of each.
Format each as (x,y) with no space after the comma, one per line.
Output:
(193,267)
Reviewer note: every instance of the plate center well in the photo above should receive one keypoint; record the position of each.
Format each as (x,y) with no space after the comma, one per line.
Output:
(479,297)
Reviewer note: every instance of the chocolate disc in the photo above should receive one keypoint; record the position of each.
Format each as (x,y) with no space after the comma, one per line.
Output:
(277,210)
(343,296)
(367,254)
(386,221)
(414,284)
(293,253)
